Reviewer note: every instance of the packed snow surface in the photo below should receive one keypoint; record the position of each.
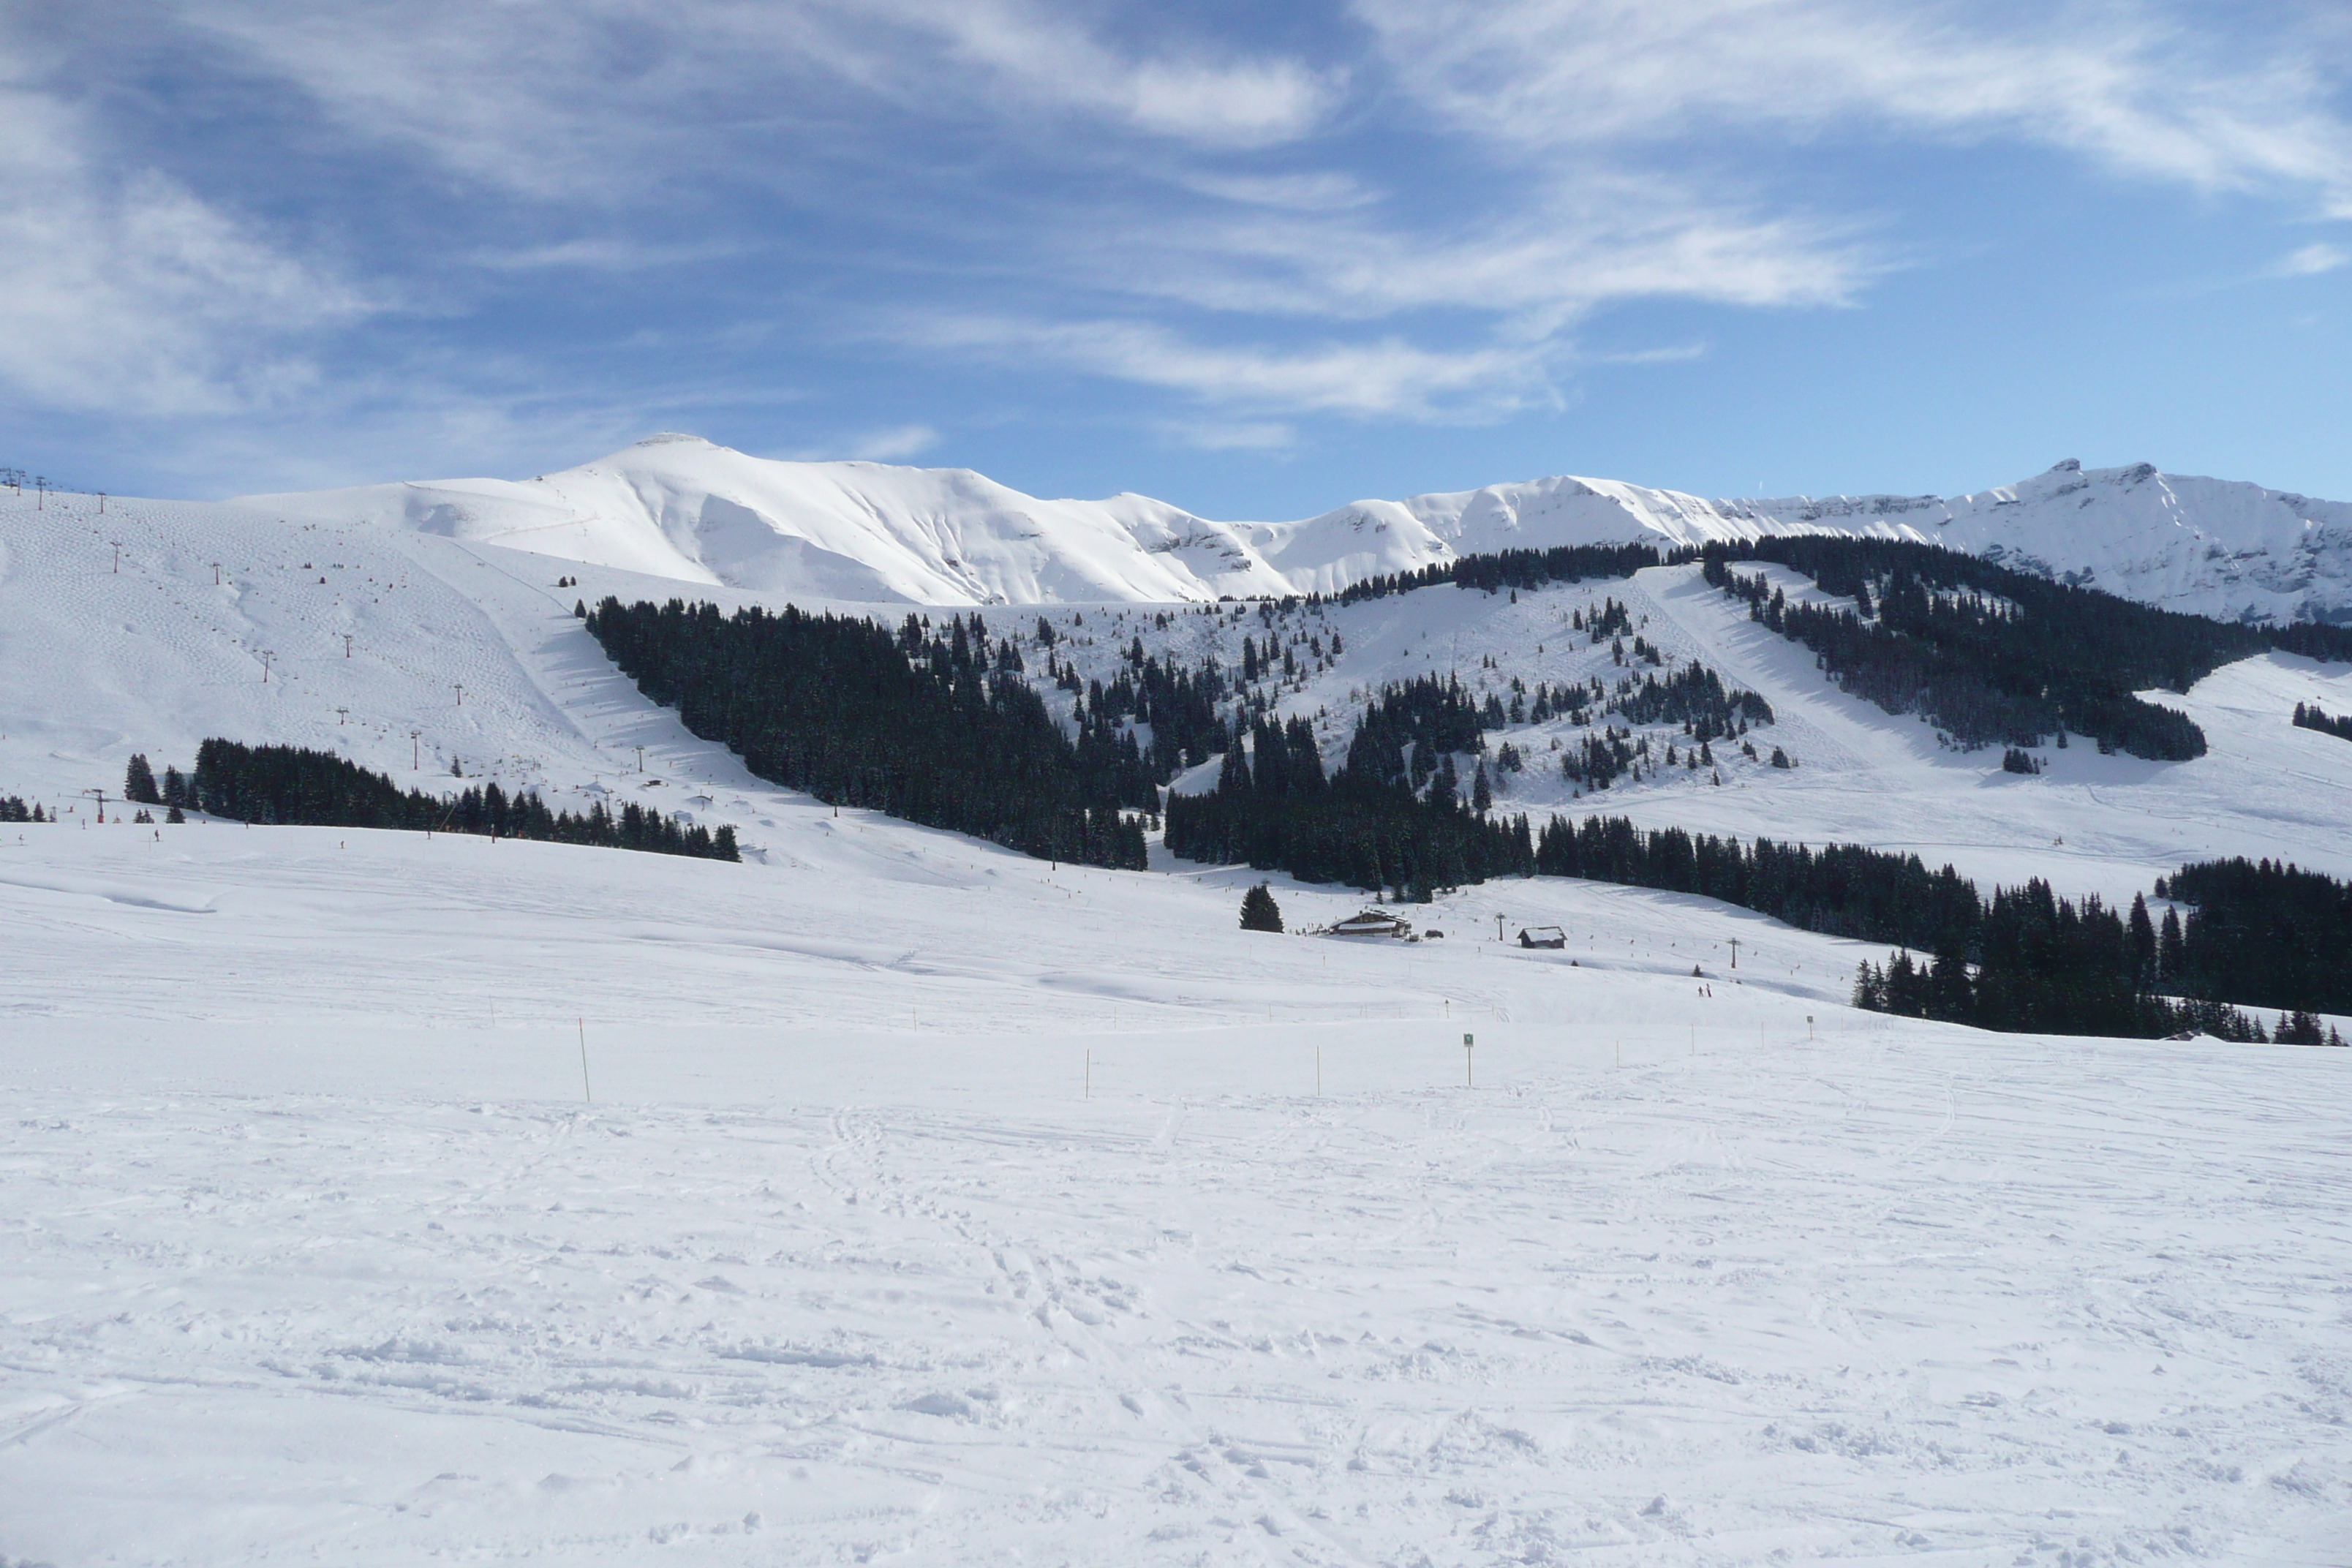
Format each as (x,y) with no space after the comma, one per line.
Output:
(376,1198)
(937,1206)
(678,506)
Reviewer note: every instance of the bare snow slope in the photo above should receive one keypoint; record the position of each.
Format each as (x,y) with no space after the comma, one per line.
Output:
(678,506)
(935,1207)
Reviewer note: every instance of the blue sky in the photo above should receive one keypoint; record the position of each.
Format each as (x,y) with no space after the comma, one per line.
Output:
(1257,266)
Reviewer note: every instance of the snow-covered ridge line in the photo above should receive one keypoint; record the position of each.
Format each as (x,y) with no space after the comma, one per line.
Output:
(682,508)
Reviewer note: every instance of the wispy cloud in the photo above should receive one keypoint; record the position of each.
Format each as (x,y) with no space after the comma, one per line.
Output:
(604,254)
(122,291)
(895,445)
(2312,260)
(2157,89)
(1229,435)
(1408,211)
(1387,376)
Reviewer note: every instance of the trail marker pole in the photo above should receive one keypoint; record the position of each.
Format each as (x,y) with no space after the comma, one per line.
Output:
(1091,1072)
(1809,1026)
(416,751)
(584,1090)
(1735,952)
(1469,1079)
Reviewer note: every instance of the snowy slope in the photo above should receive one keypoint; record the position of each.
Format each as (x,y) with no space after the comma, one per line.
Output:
(941,1206)
(315,1249)
(366,634)
(678,506)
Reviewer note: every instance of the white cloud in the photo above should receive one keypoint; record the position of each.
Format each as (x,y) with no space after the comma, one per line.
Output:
(2312,260)
(600,100)
(1411,224)
(120,291)
(895,445)
(602,254)
(1386,377)
(2140,86)
(1229,435)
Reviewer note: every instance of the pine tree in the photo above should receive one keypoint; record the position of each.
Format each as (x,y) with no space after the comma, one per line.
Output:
(138,783)
(1482,796)
(2143,945)
(1259,912)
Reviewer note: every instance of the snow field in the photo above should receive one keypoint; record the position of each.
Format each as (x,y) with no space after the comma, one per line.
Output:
(319,1249)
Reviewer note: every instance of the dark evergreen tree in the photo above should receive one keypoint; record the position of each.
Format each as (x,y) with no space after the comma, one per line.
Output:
(138,781)
(1259,912)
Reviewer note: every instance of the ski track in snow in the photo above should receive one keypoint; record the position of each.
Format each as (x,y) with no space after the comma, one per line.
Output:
(310,1245)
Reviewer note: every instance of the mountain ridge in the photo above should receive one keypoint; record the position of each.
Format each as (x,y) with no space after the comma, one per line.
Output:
(680,506)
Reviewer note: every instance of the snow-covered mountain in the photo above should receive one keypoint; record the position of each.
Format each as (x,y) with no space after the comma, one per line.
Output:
(680,506)
(935,1203)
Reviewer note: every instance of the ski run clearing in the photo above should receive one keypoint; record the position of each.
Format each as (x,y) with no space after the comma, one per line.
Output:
(374,1198)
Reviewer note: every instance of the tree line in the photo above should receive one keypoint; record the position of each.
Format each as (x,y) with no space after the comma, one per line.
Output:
(295,786)
(1509,569)
(2313,717)
(921,725)
(2022,960)
(1993,655)
(2262,932)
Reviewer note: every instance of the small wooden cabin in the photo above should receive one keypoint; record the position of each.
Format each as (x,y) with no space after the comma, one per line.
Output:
(1542,936)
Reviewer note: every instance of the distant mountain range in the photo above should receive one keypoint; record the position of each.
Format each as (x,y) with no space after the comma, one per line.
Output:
(681,507)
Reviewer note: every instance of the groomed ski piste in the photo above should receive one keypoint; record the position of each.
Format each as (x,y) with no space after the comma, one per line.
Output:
(890,1198)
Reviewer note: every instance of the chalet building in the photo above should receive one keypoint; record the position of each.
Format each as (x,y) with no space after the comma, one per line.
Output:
(1373,922)
(1542,936)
